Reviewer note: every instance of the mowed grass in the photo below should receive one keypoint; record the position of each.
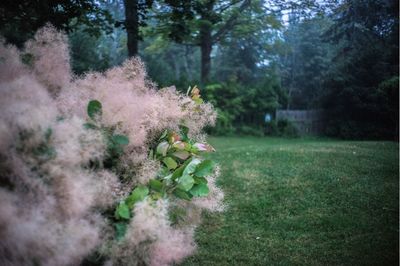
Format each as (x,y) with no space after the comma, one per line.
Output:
(303,202)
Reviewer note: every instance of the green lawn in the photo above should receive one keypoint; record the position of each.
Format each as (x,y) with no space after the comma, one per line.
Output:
(303,202)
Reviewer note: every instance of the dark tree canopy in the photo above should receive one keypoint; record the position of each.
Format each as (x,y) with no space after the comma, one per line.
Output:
(250,57)
(19,19)
(362,87)
(201,23)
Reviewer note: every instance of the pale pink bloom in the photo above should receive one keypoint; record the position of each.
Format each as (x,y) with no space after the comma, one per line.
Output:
(52,214)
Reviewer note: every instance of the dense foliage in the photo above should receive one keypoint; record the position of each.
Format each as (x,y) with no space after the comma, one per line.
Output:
(250,57)
(20,19)
(362,88)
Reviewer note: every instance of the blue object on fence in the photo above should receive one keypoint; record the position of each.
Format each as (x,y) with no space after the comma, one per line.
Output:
(267,118)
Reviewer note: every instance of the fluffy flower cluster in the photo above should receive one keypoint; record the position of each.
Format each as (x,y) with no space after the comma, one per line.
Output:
(55,205)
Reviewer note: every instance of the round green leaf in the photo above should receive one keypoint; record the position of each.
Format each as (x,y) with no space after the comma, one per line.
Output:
(183,155)
(199,190)
(120,139)
(191,167)
(164,134)
(122,211)
(182,194)
(120,230)
(162,148)
(156,185)
(198,180)
(205,168)
(184,130)
(89,126)
(170,163)
(28,59)
(178,172)
(185,182)
(94,109)
(138,194)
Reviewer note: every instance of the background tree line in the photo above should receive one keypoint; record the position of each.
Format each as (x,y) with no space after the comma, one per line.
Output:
(250,57)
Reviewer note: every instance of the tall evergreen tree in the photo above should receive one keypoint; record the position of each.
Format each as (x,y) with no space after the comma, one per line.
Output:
(363,82)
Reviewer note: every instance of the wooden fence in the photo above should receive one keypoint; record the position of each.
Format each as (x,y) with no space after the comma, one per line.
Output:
(307,122)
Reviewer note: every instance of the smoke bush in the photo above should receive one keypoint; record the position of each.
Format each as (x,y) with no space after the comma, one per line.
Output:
(99,168)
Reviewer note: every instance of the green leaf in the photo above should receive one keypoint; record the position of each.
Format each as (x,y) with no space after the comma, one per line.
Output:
(191,167)
(182,194)
(94,109)
(163,172)
(183,155)
(138,194)
(120,230)
(199,190)
(198,101)
(170,163)
(45,151)
(89,126)
(199,180)
(164,134)
(184,130)
(178,172)
(162,148)
(156,185)
(188,147)
(205,168)
(122,211)
(168,177)
(120,139)
(48,133)
(185,182)
(28,59)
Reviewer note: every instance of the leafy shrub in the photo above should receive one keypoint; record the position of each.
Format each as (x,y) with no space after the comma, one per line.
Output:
(271,128)
(241,109)
(250,131)
(101,169)
(286,128)
(359,112)
(223,125)
(229,105)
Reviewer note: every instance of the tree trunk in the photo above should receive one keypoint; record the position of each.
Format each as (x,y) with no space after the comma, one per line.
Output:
(187,65)
(206,46)
(177,69)
(207,39)
(132,26)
